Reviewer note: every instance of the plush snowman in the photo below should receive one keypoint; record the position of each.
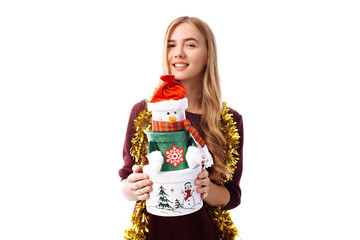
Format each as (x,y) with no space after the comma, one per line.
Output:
(176,155)
(173,143)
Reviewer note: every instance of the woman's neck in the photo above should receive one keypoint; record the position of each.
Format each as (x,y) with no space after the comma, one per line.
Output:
(193,94)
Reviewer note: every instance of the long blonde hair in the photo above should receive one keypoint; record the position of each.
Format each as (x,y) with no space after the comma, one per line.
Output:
(211,101)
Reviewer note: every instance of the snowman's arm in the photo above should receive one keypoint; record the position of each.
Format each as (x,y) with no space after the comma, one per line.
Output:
(155,157)
(152,147)
(193,156)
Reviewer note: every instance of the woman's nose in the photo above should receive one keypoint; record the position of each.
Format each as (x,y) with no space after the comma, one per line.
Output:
(179,52)
(172,119)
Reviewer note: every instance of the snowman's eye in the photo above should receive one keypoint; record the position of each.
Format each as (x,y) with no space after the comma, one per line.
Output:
(174,112)
(168,113)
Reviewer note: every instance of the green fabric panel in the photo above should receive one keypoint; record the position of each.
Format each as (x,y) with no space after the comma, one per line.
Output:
(163,141)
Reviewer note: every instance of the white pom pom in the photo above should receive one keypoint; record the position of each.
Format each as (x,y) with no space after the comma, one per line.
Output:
(193,156)
(156,160)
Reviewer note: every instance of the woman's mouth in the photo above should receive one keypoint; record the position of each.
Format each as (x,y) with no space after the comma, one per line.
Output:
(180,66)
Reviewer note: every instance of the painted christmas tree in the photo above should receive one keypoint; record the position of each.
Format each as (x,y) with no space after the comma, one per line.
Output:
(163,201)
(178,204)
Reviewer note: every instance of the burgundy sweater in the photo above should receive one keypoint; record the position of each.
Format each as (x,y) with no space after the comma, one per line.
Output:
(197,225)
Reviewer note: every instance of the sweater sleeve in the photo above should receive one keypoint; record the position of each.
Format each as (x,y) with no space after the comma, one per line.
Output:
(233,186)
(126,169)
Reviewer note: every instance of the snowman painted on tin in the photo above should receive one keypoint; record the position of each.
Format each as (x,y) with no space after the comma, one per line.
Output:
(189,200)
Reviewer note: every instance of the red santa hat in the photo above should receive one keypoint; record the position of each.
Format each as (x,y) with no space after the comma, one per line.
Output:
(170,95)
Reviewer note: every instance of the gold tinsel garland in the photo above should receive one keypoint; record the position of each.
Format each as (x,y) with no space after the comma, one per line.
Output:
(139,223)
(221,217)
(139,142)
(140,217)
(230,132)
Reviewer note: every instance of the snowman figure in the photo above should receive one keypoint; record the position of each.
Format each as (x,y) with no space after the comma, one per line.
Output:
(189,200)
(177,153)
(173,142)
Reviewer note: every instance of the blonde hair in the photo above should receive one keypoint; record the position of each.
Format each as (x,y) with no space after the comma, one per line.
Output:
(211,101)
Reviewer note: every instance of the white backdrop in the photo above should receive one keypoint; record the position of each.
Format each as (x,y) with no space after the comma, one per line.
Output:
(70,72)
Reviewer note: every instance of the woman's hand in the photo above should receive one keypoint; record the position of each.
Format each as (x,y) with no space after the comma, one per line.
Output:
(213,194)
(203,181)
(138,185)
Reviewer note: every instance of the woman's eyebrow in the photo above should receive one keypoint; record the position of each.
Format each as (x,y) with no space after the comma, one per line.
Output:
(191,39)
(185,40)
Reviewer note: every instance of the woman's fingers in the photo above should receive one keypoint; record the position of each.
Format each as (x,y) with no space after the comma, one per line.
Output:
(137,174)
(203,178)
(135,177)
(137,168)
(141,188)
(144,196)
(143,193)
(204,173)
(203,181)
(140,184)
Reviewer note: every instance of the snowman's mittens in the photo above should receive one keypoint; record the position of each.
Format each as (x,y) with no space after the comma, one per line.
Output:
(193,156)
(156,160)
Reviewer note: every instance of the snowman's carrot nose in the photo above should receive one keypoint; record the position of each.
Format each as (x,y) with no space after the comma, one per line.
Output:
(172,119)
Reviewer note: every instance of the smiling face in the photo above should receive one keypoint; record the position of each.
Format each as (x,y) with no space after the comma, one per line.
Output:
(187,52)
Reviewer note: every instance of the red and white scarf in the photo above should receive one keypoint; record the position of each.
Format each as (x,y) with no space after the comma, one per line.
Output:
(161,126)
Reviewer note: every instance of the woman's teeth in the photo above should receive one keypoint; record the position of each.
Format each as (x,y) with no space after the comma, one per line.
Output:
(180,65)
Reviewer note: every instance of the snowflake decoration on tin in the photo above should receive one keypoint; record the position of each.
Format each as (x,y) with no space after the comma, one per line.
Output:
(174,156)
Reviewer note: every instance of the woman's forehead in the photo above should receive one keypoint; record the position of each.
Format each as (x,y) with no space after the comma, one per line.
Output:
(185,32)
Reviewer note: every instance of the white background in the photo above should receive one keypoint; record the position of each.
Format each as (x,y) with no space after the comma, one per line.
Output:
(70,72)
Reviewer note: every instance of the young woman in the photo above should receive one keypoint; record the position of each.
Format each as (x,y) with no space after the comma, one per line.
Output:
(190,54)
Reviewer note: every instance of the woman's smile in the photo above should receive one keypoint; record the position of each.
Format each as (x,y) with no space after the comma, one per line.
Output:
(179,66)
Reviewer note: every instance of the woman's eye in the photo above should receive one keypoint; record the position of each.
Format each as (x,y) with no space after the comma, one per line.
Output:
(191,45)
(171,45)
